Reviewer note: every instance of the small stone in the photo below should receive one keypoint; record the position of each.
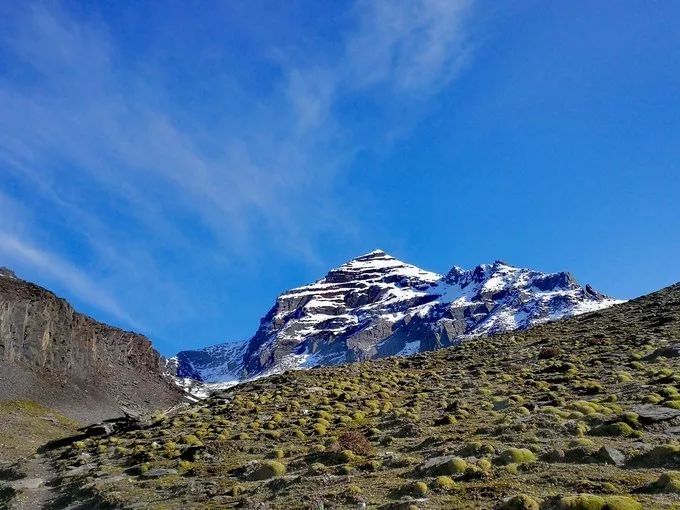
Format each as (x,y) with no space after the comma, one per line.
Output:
(430,465)
(78,470)
(157,473)
(673,431)
(27,483)
(610,455)
(668,351)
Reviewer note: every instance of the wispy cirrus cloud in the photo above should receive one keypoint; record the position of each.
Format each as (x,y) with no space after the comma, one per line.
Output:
(100,150)
(412,46)
(60,270)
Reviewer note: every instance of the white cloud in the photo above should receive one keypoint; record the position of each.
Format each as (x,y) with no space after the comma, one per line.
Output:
(59,270)
(416,46)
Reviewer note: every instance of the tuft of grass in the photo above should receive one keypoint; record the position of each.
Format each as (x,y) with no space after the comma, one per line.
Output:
(34,423)
(593,502)
(418,489)
(516,456)
(268,469)
(668,483)
(520,502)
(618,428)
(444,482)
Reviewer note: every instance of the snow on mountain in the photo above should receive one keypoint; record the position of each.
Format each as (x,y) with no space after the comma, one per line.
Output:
(5,272)
(222,363)
(375,306)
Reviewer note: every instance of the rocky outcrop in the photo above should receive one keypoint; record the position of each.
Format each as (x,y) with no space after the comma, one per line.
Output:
(375,306)
(64,359)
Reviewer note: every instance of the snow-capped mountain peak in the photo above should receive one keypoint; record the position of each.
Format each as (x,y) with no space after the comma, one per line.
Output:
(377,266)
(376,305)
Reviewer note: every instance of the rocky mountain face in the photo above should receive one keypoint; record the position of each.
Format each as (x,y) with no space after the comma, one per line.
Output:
(51,354)
(375,306)
(219,362)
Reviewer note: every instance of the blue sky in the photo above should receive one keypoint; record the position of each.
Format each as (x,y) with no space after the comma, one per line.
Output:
(172,167)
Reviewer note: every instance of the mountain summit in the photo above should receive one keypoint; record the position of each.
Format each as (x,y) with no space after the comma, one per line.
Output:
(376,305)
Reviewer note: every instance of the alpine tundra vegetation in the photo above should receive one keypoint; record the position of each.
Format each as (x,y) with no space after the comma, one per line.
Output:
(577,414)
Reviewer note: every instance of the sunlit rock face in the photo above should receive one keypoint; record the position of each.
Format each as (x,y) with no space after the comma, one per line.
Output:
(66,360)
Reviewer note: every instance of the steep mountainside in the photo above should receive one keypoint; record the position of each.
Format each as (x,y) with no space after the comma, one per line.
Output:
(577,414)
(376,306)
(222,362)
(53,355)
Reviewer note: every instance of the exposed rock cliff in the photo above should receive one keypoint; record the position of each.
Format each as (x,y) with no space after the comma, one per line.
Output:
(63,359)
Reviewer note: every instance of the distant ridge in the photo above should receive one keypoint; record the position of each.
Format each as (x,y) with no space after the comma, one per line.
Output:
(376,305)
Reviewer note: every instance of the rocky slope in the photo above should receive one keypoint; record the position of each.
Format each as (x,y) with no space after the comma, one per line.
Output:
(55,356)
(376,306)
(577,414)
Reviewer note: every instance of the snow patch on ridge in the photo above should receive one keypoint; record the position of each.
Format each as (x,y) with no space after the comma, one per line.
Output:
(410,348)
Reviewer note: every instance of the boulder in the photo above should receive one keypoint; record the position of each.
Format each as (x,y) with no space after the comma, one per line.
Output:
(609,455)
(650,413)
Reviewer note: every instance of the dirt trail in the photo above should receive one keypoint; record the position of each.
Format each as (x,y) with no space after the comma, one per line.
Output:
(38,488)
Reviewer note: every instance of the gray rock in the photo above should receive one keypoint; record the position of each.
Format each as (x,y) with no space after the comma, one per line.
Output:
(27,484)
(673,431)
(668,351)
(434,465)
(610,455)
(157,473)
(114,425)
(651,413)
(111,478)
(79,470)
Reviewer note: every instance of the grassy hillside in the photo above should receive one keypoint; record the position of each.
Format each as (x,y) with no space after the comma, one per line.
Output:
(517,421)
(26,425)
